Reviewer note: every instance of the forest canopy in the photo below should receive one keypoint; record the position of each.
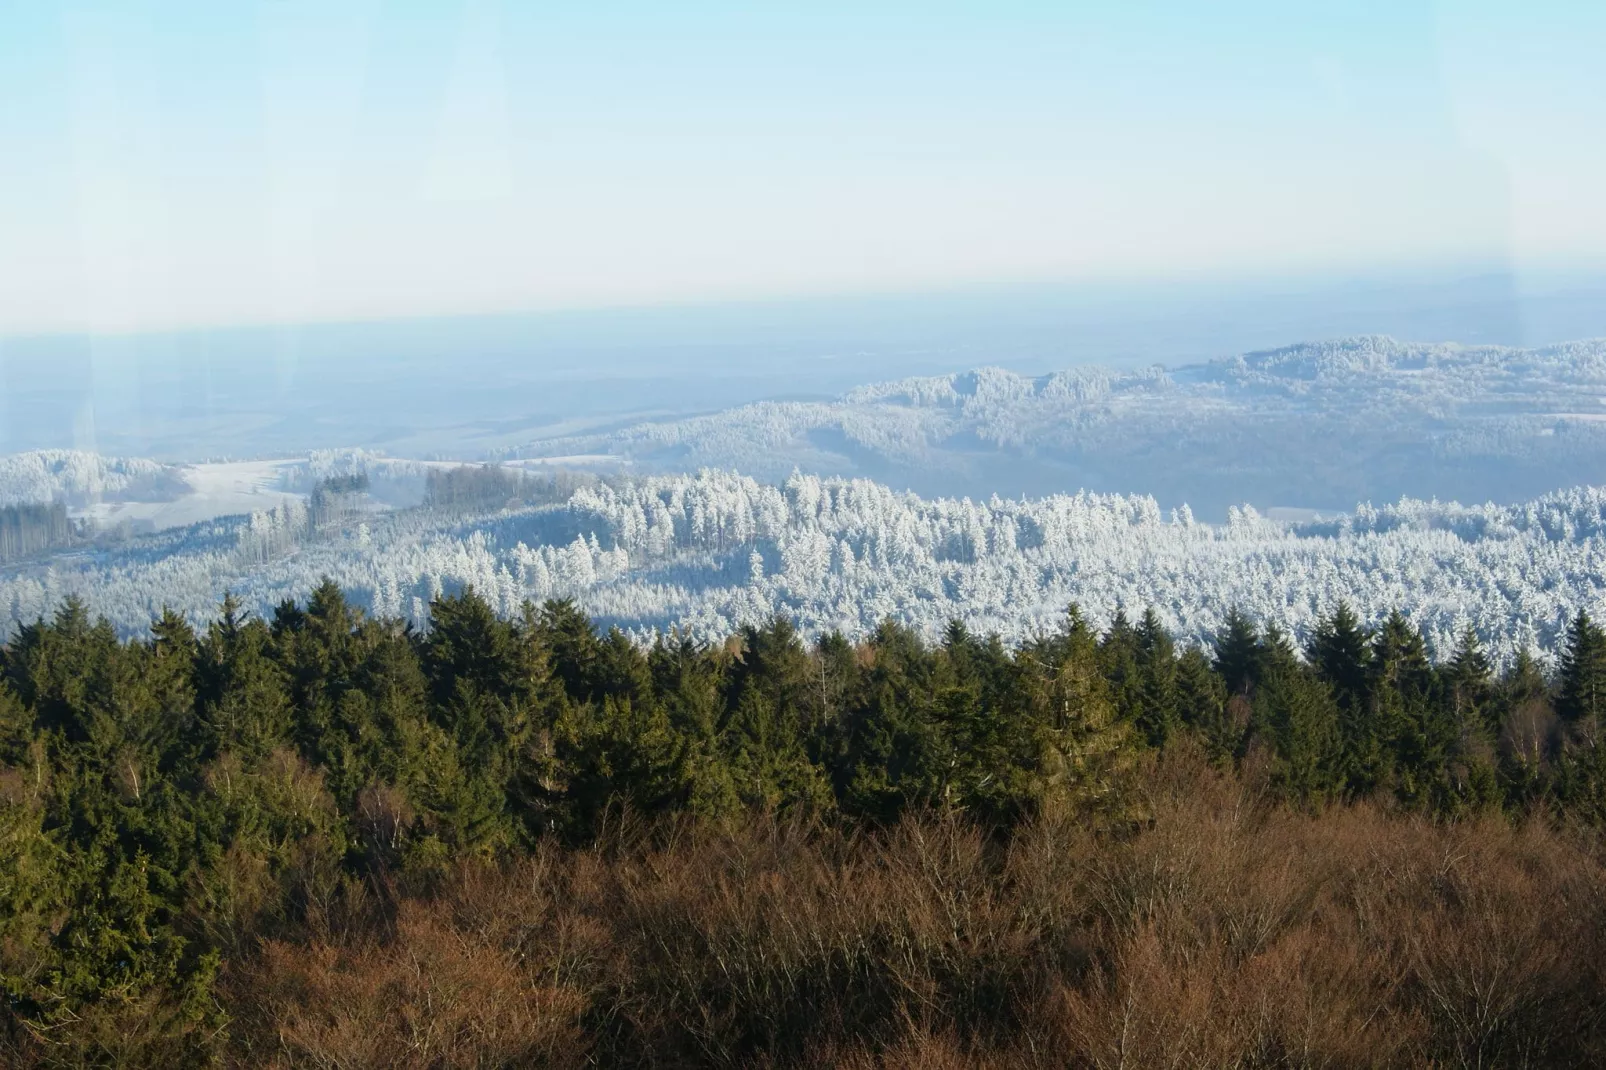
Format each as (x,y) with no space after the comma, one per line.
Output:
(171,803)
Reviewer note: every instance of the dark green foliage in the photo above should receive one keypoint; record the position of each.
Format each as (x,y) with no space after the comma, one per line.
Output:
(1296,713)
(1119,650)
(1237,653)
(1469,680)
(1340,651)
(165,803)
(1159,708)
(1581,704)
(1204,705)
(1583,675)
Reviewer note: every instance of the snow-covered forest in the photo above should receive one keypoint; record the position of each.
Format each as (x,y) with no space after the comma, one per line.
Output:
(1322,426)
(709,552)
(76,476)
(1318,425)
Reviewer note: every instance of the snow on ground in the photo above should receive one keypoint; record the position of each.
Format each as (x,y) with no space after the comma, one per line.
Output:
(223,489)
(570,460)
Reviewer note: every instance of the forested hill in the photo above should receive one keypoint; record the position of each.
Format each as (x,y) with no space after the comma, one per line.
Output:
(711,553)
(171,803)
(1318,425)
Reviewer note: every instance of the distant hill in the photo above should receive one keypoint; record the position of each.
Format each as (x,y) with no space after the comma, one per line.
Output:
(1312,426)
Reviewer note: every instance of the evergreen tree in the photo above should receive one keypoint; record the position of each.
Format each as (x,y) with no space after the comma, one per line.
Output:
(1405,716)
(987,752)
(1119,659)
(1296,712)
(893,754)
(1237,652)
(1582,695)
(1340,652)
(1202,705)
(1466,707)
(1469,679)
(1580,701)
(242,700)
(1157,664)
(688,679)
(1529,730)
(1087,753)
(571,639)
(628,756)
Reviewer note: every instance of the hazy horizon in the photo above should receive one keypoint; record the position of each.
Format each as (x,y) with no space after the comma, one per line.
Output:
(296,163)
(445,386)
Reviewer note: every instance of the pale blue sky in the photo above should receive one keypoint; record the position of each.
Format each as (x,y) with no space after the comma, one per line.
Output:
(171,164)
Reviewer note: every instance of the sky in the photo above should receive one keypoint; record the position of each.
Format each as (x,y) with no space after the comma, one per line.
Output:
(169,165)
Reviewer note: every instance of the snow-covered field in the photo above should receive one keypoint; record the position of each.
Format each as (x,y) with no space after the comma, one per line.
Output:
(570,460)
(213,490)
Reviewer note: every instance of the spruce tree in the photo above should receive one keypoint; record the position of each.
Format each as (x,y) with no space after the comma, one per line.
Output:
(1296,712)
(1119,658)
(1237,649)
(1340,652)
(1158,714)
(1582,695)
(1405,717)
(1468,678)
(1088,752)
(1202,705)
(1464,706)
(893,754)
(242,699)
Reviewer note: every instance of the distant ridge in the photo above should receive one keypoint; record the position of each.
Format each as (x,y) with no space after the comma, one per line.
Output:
(1314,425)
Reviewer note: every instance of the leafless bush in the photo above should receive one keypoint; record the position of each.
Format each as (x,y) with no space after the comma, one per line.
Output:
(1228,932)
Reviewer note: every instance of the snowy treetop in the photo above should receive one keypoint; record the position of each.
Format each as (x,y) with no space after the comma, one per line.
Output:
(707,553)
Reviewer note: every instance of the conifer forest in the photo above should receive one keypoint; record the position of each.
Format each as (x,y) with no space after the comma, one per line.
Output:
(320,837)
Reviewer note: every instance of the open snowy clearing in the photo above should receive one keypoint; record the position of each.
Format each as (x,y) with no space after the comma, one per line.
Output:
(571,460)
(224,489)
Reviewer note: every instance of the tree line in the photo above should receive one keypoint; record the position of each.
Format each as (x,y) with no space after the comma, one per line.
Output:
(28,529)
(165,802)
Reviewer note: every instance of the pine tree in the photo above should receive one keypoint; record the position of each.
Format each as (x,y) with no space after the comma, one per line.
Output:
(1087,753)
(1237,650)
(1582,695)
(1296,712)
(1157,665)
(892,753)
(1119,658)
(1202,705)
(1469,677)
(1404,715)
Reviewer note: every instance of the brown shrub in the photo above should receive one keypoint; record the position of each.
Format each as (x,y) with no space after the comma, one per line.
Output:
(434,995)
(1228,932)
